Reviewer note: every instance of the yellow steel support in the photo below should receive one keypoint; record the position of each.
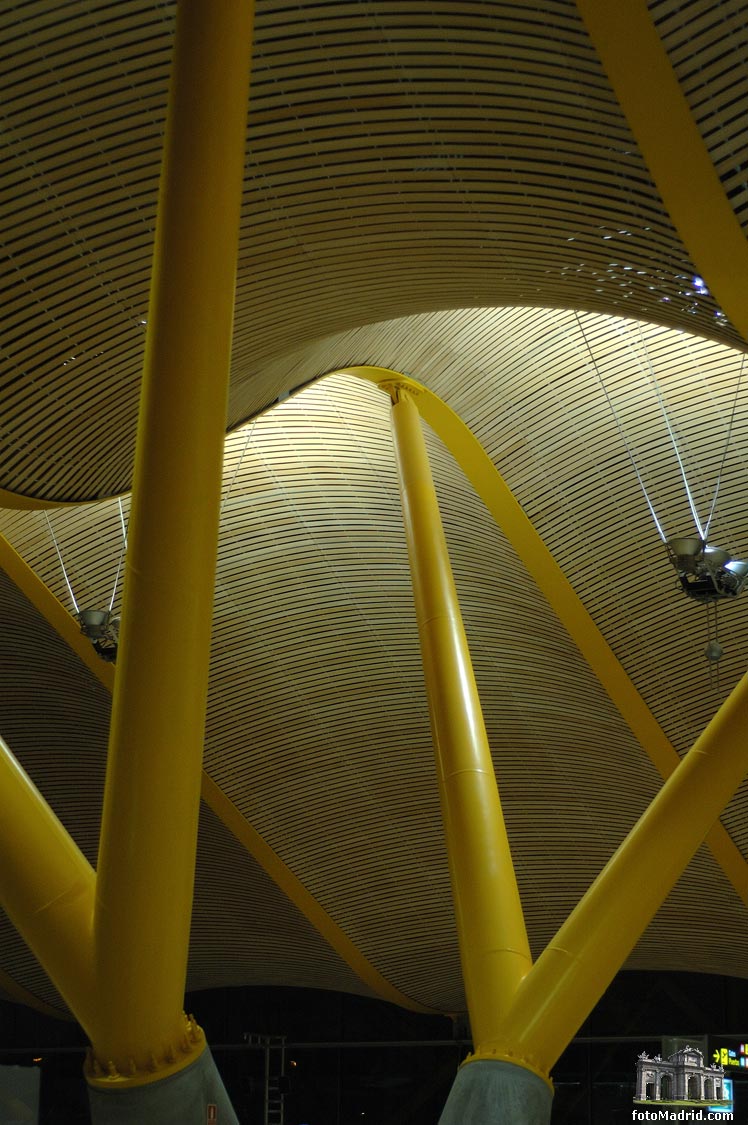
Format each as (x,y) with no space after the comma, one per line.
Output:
(670,142)
(541,1013)
(232,818)
(47,888)
(20,995)
(493,940)
(42,598)
(560,595)
(272,864)
(29,503)
(147,852)
(572,973)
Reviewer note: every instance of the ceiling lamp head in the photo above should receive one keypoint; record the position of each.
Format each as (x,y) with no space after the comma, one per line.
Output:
(102,629)
(706,572)
(686,554)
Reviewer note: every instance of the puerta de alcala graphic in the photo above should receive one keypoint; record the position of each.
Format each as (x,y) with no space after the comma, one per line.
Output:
(682,1077)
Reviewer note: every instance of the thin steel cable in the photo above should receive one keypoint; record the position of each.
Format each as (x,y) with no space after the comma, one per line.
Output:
(621,431)
(121,554)
(712,633)
(624,331)
(736,454)
(230,485)
(122,521)
(686,343)
(724,451)
(62,564)
(653,377)
(709,663)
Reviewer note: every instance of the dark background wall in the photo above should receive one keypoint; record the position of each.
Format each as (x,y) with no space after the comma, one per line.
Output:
(387,1081)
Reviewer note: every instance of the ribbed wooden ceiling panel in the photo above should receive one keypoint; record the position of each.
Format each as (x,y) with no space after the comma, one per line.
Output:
(567,431)
(22,967)
(708,48)
(402,157)
(54,715)
(317,726)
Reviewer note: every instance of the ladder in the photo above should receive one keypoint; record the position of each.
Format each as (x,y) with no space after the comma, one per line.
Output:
(274,1047)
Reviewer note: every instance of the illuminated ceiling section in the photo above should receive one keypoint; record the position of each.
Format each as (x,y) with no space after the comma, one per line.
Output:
(433,189)
(399,163)
(317,715)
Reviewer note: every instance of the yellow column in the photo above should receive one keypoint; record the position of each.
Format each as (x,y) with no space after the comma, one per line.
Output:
(147,853)
(493,940)
(669,139)
(554,586)
(574,970)
(46,887)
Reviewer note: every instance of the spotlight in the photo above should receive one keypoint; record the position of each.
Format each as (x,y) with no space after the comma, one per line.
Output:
(706,572)
(102,629)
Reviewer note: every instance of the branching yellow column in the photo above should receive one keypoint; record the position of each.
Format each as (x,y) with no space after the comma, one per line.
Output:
(147,853)
(46,887)
(574,970)
(555,587)
(493,941)
(670,142)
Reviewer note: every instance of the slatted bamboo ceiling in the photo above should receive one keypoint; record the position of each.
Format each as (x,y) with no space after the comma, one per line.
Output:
(433,188)
(402,157)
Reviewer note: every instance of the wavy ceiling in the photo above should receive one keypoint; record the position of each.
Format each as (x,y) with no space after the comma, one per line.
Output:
(402,157)
(431,188)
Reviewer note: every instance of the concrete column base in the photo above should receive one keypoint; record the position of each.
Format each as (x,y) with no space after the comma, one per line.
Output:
(180,1099)
(497,1093)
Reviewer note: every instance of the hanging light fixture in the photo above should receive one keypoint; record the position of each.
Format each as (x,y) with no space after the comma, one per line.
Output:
(102,629)
(100,626)
(705,571)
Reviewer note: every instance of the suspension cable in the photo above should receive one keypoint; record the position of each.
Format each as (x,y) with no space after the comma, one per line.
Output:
(230,485)
(621,431)
(724,451)
(121,554)
(660,400)
(62,564)
(713,659)
(122,521)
